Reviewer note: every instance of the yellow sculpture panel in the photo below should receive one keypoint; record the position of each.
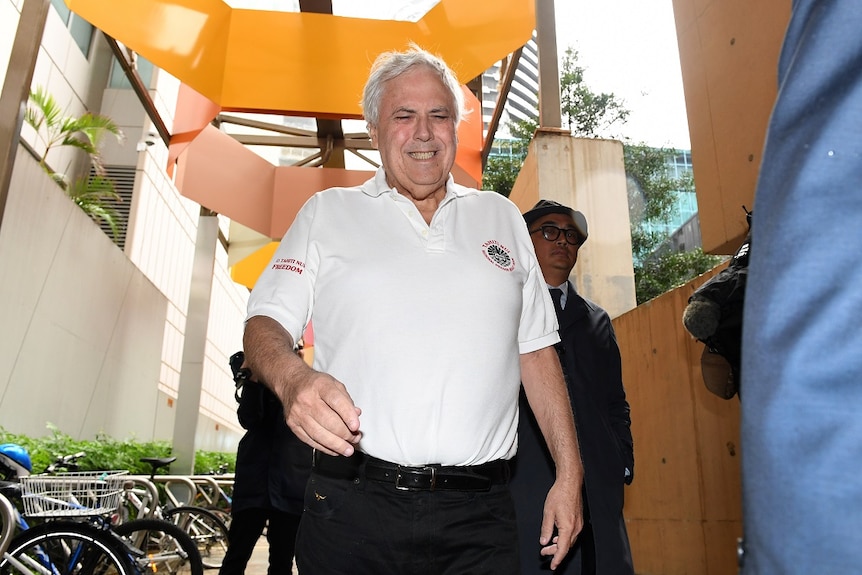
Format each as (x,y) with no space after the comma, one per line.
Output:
(291,63)
(296,63)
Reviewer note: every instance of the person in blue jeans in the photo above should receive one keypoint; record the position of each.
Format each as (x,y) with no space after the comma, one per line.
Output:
(802,342)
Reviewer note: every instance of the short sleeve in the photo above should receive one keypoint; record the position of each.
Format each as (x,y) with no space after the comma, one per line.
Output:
(285,289)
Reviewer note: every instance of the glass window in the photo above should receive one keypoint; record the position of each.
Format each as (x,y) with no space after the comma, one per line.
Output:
(119,79)
(81,30)
(62,10)
(82,33)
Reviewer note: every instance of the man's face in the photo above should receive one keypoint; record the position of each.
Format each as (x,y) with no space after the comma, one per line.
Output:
(557,257)
(415,133)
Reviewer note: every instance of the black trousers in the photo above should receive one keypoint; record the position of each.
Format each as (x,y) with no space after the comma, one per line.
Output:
(365,527)
(246,527)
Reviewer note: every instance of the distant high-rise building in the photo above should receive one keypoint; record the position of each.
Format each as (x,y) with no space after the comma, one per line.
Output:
(523,99)
(685,203)
(683,228)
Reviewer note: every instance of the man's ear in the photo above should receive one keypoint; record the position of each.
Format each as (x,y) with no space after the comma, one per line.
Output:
(372,133)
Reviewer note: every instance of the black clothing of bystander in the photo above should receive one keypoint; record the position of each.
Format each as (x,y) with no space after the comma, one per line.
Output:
(590,359)
(272,469)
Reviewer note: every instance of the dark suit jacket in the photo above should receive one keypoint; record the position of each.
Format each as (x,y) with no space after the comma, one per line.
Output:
(591,361)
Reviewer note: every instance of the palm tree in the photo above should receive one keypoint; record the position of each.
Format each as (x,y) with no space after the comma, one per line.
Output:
(92,193)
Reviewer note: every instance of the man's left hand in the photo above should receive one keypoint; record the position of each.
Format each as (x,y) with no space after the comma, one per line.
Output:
(564,510)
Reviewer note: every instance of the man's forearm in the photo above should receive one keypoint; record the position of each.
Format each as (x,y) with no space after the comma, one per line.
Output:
(269,353)
(318,408)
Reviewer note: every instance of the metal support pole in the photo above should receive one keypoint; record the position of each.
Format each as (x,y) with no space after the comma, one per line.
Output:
(502,96)
(550,115)
(16,88)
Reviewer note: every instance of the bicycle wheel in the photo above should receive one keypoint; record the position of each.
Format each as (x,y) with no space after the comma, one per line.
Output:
(222,514)
(205,528)
(166,548)
(67,548)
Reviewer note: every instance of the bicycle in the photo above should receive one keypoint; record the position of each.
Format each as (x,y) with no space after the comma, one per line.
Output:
(66,548)
(165,547)
(206,529)
(215,492)
(60,547)
(154,545)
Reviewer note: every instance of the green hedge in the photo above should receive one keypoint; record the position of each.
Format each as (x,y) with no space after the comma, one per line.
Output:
(108,453)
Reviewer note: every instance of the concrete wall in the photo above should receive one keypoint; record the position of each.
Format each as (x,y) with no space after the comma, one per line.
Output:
(159,251)
(587,175)
(83,328)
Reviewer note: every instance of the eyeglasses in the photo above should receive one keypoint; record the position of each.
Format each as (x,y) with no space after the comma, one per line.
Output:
(551,233)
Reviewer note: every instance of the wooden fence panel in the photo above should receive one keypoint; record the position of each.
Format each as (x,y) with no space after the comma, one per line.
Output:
(683,509)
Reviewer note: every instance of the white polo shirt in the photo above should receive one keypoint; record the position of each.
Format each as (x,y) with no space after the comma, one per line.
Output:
(423,324)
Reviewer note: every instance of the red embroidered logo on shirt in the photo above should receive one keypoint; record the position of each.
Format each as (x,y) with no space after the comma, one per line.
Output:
(499,255)
(289,265)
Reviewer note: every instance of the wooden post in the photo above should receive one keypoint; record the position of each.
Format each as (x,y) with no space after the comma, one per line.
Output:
(16,88)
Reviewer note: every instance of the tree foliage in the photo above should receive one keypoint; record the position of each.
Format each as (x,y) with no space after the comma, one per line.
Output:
(501,171)
(586,113)
(651,188)
(668,270)
(522,131)
(652,191)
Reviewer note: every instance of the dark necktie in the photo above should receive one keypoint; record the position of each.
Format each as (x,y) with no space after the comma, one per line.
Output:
(557,295)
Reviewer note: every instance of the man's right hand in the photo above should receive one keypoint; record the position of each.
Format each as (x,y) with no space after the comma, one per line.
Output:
(317,406)
(321,413)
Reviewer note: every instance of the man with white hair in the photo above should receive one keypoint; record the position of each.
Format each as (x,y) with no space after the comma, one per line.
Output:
(429,309)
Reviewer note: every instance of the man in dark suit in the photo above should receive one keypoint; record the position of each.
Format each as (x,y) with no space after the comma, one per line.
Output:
(592,366)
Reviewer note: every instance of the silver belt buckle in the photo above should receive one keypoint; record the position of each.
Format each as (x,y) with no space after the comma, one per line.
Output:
(398,477)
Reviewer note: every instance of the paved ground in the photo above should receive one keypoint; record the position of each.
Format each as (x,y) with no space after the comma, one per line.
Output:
(259,560)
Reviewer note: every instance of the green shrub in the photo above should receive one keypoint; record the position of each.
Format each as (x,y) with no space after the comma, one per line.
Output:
(107,453)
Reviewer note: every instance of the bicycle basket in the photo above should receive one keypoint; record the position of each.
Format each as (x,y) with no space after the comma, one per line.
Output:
(72,494)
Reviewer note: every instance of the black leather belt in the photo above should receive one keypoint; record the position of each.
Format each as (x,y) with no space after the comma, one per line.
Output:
(408,478)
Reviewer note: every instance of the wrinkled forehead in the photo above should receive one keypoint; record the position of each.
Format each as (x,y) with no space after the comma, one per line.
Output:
(418,84)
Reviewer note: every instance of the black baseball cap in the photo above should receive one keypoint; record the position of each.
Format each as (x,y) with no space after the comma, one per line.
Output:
(545,207)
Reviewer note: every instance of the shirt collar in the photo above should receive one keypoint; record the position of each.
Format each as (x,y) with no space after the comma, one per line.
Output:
(563,287)
(377,186)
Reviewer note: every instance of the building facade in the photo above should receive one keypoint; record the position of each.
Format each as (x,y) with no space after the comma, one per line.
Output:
(103,325)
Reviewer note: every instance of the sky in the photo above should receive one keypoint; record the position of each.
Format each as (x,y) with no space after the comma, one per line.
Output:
(629,48)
